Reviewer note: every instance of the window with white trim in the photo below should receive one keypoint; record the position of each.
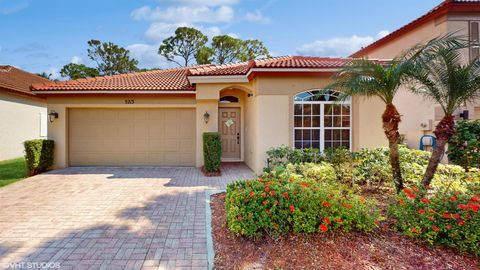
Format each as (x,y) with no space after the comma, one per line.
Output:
(321,121)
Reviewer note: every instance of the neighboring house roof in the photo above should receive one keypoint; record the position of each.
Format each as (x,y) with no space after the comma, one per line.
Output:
(447,6)
(18,81)
(168,80)
(177,80)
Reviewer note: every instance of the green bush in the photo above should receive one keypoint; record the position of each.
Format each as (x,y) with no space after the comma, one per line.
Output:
(449,218)
(212,151)
(38,155)
(277,206)
(464,146)
(283,155)
(322,172)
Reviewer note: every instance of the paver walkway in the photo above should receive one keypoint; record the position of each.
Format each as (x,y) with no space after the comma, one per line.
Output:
(109,218)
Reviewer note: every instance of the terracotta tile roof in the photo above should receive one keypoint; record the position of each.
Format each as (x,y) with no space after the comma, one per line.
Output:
(274,62)
(155,80)
(438,11)
(17,80)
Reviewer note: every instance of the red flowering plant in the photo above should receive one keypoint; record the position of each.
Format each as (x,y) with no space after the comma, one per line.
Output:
(276,206)
(450,217)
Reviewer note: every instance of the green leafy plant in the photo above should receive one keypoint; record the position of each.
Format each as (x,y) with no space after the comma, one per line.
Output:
(449,218)
(38,155)
(212,151)
(276,206)
(464,146)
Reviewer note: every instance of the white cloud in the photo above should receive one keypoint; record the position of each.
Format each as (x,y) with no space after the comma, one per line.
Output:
(256,16)
(185,14)
(76,60)
(147,55)
(13,9)
(158,31)
(338,46)
(211,3)
(54,73)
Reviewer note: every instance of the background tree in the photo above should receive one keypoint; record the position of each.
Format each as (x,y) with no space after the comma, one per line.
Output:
(185,44)
(374,79)
(439,73)
(254,49)
(45,75)
(204,56)
(77,71)
(111,59)
(226,49)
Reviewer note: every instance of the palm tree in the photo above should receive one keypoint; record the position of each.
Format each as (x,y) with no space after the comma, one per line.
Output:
(382,80)
(439,73)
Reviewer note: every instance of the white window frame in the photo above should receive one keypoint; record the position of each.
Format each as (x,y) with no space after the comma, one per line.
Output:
(322,118)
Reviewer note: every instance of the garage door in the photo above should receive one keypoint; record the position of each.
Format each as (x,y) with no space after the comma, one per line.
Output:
(126,137)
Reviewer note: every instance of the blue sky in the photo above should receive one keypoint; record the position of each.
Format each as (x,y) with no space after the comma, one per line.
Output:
(44,35)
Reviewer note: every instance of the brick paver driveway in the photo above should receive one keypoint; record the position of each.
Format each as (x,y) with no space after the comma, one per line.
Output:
(109,218)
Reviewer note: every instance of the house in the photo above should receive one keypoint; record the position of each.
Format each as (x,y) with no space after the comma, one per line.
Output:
(158,117)
(24,115)
(461,17)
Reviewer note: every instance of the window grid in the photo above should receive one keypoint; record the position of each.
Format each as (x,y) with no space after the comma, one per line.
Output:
(321,124)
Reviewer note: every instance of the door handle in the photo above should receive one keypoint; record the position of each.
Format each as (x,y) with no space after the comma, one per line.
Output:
(238,138)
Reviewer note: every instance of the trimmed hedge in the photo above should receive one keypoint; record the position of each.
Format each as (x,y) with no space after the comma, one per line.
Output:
(464,146)
(212,151)
(38,155)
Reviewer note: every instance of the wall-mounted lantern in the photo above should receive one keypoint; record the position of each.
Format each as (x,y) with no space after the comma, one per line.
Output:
(206,117)
(250,95)
(52,115)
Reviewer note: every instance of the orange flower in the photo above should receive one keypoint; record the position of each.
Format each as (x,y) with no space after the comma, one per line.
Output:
(425,200)
(266,189)
(435,228)
(421,211)
(346,205)
(292,208)
(447,215)
(252,193)
(412,196)
(326,204)
(285,195)
(449,227)
(431,217)
(275,202)
(431,211)
(264,202)
(414,230)
(264,194)
(326,220)
(453,199)
(407,190)
(323,228)
(462,206)
(401,201)
(362,200)
(457,216)
(460,222)
(272,193)
(339,220)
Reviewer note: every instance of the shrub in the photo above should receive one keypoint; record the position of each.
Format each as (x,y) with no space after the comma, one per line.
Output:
(464,146)
(449,218)
(283,155)
(212,151)
(280,205)
(38,155)
(322,172)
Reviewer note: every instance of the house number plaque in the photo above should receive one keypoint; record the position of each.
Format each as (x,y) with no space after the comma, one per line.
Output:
(129,101)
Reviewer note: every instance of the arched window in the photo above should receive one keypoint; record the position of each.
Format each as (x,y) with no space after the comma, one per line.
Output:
(229,99)
(321,120)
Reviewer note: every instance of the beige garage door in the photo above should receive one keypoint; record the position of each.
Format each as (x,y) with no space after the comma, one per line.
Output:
(126,137)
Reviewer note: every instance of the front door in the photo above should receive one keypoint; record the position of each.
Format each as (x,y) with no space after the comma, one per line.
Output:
(229,126)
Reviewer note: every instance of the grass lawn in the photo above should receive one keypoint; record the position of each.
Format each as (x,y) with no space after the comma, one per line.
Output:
(12,171)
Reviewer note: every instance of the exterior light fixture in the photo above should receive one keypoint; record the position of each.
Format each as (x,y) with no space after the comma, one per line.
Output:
(206,117)
(52,115)
(250,95)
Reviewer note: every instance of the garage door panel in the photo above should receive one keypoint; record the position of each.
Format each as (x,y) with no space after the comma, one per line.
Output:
(159,137)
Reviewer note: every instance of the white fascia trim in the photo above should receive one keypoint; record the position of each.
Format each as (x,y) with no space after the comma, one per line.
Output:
(218,79)
(292,70)
(113,92)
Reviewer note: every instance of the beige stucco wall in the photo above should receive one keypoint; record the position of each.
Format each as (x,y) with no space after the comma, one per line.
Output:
(58,130)
(415,109)
(20,121)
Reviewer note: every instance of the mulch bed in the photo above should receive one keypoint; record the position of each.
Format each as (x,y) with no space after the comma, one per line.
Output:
(384,249)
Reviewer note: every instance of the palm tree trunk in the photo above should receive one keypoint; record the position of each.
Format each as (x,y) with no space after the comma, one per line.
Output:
(444,131)
(391,119)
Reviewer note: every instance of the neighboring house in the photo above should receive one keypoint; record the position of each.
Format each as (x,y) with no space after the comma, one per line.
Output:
(461,17)
(23,115)
(158,117)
